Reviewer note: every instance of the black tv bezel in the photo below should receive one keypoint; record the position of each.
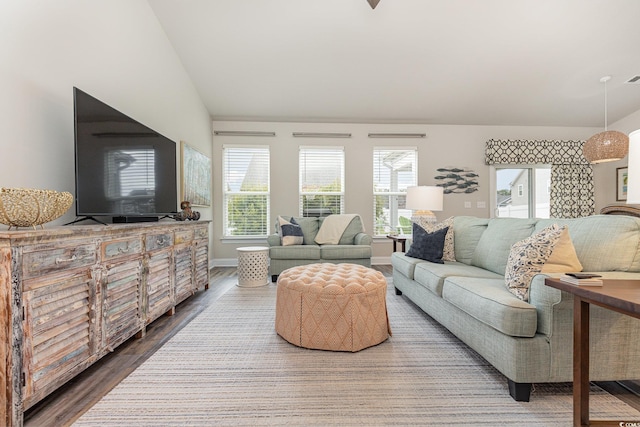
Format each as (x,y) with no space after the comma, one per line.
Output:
(117,217)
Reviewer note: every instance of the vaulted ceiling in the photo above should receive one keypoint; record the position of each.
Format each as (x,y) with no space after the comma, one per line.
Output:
(488,62)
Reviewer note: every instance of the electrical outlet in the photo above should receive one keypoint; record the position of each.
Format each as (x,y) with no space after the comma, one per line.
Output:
(467,205)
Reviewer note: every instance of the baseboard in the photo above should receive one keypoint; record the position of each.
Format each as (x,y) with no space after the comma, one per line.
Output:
(224,262)
(381,260)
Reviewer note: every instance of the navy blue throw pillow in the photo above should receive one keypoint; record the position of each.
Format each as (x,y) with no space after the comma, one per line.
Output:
(427,246)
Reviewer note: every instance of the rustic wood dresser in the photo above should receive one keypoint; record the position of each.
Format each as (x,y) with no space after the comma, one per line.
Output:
(70,295)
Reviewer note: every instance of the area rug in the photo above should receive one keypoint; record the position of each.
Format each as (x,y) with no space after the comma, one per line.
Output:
(229,367)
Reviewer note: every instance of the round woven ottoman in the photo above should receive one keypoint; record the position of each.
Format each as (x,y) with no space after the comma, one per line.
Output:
(340,307)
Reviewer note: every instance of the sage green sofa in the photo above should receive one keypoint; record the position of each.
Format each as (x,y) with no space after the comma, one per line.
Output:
(354,247)
(528,342)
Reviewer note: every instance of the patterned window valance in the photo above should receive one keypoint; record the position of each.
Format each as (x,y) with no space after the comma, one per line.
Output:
(572,190)
(525,152)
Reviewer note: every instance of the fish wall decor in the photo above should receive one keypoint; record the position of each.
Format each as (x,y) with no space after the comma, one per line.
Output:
(457,180)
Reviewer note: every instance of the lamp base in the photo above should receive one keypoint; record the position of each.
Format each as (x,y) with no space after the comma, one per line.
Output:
(424,219)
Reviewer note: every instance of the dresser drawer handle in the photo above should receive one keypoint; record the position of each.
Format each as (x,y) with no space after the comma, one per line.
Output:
(124,250)
(160,241)
(62,260)
(74,257)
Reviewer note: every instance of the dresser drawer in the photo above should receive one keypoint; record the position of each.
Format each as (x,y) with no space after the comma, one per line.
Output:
(158,241)
(202,232)
(121,248)
(182,236)
(38,263)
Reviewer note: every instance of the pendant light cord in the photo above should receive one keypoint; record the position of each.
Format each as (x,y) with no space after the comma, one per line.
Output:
(604,80)
(605,106)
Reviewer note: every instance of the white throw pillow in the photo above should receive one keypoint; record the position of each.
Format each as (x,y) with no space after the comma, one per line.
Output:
(563,259)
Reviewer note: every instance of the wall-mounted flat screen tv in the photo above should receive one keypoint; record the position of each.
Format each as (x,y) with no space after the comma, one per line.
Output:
(124,170)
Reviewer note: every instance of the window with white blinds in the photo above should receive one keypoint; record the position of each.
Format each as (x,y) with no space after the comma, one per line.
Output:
(394,169)
(246,190)
(130,172)
(321,181)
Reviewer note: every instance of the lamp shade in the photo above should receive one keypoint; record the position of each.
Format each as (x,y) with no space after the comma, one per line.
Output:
(606,146)
(425,198)
(633,175)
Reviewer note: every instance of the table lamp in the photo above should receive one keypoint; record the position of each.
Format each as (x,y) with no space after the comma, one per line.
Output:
(423,200)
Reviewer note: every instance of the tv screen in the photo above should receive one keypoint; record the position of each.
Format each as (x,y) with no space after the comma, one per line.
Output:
(123,168)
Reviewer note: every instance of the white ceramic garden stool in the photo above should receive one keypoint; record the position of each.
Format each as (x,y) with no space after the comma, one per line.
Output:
(253,266)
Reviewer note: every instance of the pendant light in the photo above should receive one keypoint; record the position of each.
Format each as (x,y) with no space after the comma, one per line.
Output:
(609,145)
(373,3)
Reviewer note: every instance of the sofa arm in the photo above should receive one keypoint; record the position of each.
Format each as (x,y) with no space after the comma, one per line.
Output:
(274,240)
(362,239)
(554,306)
(547,301)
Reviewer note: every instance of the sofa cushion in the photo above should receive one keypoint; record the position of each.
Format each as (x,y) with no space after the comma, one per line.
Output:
(488,301)
(563,259)
(427,246)
(467,231)
(494,246)
(432,276)
(527,257)
(448,252)
(345,251)
(290,232)
(596,237)
(404,264)
(295,252)
(309,227)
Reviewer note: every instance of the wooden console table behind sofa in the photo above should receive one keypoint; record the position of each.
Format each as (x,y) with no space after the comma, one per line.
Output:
(70,295)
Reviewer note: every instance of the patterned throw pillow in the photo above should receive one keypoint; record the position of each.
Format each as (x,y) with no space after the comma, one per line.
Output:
(449,253)
(527,257)
(290,232)
(427,246)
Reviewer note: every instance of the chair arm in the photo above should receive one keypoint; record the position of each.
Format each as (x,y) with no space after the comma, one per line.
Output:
(274,240)
(362,239)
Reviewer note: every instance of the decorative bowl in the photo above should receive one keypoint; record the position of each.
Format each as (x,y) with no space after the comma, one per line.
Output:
(27,207)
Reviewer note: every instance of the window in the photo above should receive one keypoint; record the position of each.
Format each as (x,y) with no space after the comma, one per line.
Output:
(523,192)
(129,172)
(321,181)
(246,190)
(394,169)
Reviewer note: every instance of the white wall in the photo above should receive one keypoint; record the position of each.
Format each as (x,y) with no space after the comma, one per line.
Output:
(604,174)
(116,51)
(445,145)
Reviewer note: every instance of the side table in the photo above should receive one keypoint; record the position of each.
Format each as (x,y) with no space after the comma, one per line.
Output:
(253,266)
(622,296)
(402,239)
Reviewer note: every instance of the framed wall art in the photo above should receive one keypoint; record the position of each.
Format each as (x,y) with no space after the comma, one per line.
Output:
(195,176)
(621,184)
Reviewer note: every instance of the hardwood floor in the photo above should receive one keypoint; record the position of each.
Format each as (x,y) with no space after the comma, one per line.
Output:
(69,402)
